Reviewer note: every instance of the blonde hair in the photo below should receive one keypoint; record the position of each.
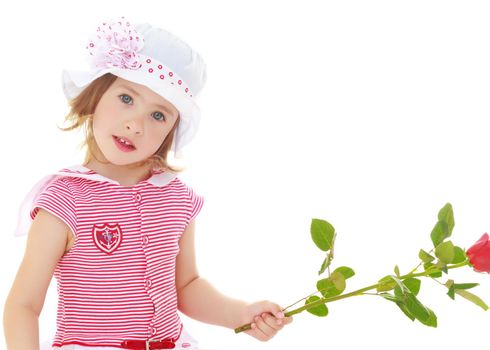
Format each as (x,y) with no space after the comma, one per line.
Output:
(81,112)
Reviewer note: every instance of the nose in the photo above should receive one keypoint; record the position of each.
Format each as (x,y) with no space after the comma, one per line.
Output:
(134,125)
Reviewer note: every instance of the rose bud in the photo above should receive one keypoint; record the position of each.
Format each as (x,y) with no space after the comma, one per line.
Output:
(479,254)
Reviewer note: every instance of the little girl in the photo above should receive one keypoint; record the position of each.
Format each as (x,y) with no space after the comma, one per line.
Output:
(118,231)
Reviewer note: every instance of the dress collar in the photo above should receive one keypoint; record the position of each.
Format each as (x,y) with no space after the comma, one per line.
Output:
(158,178)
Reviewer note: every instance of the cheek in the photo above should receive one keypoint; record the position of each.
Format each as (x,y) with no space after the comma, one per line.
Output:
(157,137)
(98,126)
(102,119)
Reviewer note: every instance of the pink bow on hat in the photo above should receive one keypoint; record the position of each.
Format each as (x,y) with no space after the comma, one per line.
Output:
(115,44)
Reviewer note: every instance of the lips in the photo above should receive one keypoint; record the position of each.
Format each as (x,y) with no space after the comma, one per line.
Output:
(129,144)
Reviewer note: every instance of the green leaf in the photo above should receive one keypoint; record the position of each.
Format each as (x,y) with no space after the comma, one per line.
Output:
(446,214)
(399,293)
(389,297)
(451,289)
(400,288)
(347,272)
(425,257)
(442,266)
(322,233)
(385,284)
(473,298)
(319,310)
(459,255)
(325,264)
(413,285)
(404,308)
(397,271)
(338,281)
(465,285)
(400,296)
(327,288)
(411,306)
(439,233)
(417,309)
(432,320)
(445,252)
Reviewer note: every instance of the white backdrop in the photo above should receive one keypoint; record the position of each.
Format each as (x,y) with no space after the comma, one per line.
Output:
(369,114)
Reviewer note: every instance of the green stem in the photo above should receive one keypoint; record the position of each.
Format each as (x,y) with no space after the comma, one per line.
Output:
(354,293)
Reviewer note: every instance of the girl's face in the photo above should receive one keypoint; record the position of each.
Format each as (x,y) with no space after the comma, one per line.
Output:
(135,113)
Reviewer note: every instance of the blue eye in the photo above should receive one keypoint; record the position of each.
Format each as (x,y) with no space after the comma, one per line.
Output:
(122,97)
(162,116)
(126,99)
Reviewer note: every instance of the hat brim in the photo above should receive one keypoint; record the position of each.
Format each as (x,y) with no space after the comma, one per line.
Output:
(75,81)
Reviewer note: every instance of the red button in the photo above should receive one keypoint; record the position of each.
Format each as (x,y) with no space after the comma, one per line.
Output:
(137,197)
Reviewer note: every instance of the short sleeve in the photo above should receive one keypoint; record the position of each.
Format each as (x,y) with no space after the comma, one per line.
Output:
(57,199)
(196,202)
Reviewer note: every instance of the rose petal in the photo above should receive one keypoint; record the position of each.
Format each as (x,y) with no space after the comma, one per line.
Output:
(481,263)
(477,246)
(479,254)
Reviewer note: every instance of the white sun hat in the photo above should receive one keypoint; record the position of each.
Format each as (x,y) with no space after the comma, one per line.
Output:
(150,56)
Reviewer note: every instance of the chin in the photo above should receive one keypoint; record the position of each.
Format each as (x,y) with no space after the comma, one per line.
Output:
(121,160)
(123,163)
(131,163)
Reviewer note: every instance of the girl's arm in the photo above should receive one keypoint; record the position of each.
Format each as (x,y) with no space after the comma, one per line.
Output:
(46,244)
(198,299)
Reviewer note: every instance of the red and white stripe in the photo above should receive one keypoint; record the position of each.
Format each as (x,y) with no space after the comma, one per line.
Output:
(105,298)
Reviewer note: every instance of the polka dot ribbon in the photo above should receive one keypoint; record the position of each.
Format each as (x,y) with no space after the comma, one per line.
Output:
(117,43)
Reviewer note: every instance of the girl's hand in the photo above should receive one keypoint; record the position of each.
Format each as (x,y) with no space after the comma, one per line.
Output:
(266,319)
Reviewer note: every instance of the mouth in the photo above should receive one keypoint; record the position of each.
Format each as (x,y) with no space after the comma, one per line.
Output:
(123,143)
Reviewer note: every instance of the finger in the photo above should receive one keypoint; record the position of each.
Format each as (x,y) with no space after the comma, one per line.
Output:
(273,308)
(257,333)
(264,327)
(273,322)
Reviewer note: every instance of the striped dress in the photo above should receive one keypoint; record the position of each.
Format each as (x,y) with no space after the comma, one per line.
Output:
(118,280)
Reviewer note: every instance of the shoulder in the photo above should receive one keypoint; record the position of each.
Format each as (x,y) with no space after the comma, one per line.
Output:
(59,185)
(178,182)
(184,189)
(183,186)
(62,179)
(55,196)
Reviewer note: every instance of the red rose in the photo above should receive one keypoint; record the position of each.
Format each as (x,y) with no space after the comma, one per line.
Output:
(479,254)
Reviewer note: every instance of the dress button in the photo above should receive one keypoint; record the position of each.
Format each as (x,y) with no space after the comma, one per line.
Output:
(145,240)
(153,331)
(137,197)
(148,283)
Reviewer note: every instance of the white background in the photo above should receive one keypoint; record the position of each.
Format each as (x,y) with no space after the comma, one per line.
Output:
(369,114)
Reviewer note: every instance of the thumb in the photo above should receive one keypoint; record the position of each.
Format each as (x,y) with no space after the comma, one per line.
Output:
(273,308)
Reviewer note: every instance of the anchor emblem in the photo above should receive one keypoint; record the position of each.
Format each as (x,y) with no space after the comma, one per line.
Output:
(107,237)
